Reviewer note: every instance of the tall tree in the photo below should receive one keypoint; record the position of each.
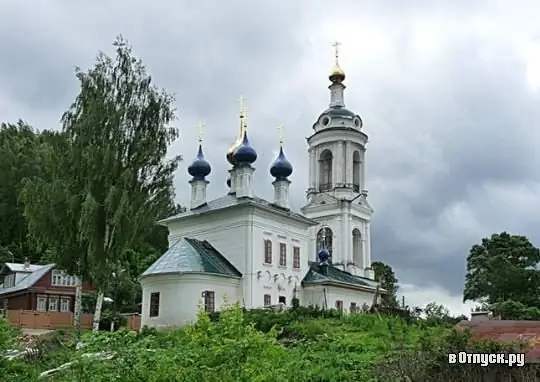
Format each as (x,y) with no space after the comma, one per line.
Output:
(20,158)
(112,175)
(387,278)
(503,267)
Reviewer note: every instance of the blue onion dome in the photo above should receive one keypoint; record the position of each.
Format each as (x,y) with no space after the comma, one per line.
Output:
(281,168)
(200,168)
(245,153)
(323,254)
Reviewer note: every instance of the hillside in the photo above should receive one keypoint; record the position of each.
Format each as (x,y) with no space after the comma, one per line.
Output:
(301,345)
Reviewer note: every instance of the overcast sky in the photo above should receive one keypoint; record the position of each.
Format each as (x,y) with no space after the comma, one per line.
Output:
(449,95)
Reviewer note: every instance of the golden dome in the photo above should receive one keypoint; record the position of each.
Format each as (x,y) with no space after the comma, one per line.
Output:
(337,74)
(237,143)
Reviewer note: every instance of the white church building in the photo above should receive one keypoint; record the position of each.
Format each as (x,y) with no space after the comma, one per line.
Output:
(242,248)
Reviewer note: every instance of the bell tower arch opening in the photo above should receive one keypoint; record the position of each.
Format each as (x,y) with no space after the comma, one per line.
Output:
(324,238)
(358,255)
(325,171)
(356,171)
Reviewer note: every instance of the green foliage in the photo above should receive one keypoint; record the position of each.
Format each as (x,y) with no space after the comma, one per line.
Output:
(291,347)
(513,310)
(503,267)
(386,276)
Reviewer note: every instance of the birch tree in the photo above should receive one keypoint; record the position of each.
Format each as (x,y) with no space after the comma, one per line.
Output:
(115,177)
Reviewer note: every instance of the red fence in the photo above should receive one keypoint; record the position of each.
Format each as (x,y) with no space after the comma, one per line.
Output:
(31,319)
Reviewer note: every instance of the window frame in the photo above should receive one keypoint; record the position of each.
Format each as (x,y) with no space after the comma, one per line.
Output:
(154,305)
(209,301)
(282,254)
(296,257)
(268,251)
(53,302)
(353,308)
(67,307)
(43,299)
(339,305)
(267,300)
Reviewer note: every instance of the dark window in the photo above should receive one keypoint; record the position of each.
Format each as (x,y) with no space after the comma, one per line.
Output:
(209,301)
(282,300)
(325,171)
(296,257)
(356,171)
(339,305)
(268,251)
(353,308)
(282,254)
(154,304)
(267,300)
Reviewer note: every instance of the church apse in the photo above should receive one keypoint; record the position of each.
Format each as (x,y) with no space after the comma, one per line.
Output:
(325,171)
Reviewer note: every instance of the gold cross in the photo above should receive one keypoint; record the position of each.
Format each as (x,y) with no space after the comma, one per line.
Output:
(280,129)
(201,131)
(241,100)
(336,47)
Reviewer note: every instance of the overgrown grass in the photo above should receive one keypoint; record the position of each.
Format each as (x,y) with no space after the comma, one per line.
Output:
(301,345)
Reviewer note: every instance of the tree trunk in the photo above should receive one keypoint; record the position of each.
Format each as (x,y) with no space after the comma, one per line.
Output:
(77,308)
(97,312)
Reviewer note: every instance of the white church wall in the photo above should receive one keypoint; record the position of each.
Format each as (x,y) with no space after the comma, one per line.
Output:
(327,296)
(181,297)
(274,279)
(226,230)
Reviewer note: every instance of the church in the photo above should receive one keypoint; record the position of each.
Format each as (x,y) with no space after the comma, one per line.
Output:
(259,253)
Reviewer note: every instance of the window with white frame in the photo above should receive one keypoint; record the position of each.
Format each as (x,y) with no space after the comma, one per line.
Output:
(9,280)
(53,304)
(60,278)
(64,304)
(41,304)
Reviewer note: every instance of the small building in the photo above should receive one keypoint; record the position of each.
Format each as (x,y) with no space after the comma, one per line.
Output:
(42,288)
(483,326)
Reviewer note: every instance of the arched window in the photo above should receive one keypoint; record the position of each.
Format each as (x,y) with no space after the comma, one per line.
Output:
(327,240)
(356,171)
(325,171)
(358,257)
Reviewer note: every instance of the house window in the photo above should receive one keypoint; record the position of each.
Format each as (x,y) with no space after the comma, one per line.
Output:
(64,304)
(209,301)
(339,305)
(9,280)
(60,278)
(154,304)
(353,308)
(268,251)
(296,257)
(53,304)
(282,254)
(267,300)
(282,300)
(41,304)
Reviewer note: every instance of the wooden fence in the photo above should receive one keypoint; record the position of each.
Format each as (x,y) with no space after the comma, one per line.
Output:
(31,319)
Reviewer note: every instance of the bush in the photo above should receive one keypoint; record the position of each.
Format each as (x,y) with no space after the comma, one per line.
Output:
(108,316)
(302,344)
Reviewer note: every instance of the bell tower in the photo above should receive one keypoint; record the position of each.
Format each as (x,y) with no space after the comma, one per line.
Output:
(336,194)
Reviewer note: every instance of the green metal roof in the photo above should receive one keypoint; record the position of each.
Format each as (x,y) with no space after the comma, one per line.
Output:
(192,256)
(339,111)
(333,274)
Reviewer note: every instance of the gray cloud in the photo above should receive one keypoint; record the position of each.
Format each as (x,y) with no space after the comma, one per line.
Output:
(442,90)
